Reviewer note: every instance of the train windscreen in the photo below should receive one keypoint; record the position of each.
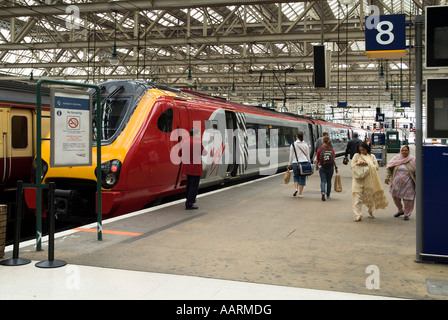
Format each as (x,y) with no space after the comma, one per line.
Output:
(118,102)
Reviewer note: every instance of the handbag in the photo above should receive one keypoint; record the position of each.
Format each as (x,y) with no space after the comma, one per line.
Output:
(303,169)
(360,172)
(287,176)
(337,183)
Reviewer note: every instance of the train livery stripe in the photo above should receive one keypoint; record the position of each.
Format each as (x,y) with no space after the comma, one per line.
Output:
(244,148)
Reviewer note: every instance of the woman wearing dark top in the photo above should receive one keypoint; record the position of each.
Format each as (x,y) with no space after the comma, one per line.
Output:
(326,170)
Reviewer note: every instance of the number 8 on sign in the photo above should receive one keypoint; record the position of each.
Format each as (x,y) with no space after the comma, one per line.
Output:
(386,38)
(386,32)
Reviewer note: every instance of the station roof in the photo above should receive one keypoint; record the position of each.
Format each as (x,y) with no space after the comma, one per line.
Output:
(248,51)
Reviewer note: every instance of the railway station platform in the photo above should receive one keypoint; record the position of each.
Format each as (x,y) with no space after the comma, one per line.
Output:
(249,241)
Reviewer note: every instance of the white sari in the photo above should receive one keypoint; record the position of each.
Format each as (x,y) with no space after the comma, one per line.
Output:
(372,190)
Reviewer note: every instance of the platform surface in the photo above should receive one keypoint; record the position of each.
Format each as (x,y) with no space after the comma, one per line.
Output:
(250,241)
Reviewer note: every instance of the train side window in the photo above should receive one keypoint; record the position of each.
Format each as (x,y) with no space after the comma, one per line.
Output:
(251,130)
(19,132)
(288,136)
(165,121)
(264,134)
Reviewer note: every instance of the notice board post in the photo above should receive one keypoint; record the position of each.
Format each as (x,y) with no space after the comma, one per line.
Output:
(65,101)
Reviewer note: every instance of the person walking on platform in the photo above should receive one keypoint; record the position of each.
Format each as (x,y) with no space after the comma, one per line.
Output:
(298,153)
(326,163)
(366,185)
(193,168)
(352,146)
(401,171)
(318,143)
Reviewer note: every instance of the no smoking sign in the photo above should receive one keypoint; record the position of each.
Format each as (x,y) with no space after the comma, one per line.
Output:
(73,123)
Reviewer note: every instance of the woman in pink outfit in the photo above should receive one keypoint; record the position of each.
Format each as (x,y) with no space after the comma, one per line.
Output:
(400,171)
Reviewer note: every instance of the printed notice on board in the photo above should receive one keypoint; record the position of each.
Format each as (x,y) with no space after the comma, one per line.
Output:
(71,128)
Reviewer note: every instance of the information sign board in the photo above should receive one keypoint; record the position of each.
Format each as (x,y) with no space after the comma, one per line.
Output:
(71,128)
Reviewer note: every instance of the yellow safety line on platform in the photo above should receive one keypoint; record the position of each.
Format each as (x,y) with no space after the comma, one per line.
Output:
(122,233)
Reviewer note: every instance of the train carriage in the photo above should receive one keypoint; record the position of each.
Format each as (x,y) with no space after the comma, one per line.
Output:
(17,139)
(143,128)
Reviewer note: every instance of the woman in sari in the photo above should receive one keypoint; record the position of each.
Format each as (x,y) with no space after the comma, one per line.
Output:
(401,171)
(368,190)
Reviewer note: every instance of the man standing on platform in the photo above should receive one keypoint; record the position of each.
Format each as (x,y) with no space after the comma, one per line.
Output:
(353,146)
(193,168)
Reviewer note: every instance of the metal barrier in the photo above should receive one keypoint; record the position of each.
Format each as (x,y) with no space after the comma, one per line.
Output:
(51,263)
(15,260)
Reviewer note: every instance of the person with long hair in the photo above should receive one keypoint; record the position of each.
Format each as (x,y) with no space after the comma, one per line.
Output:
(326,163)
(400,171)
(367,190)
(299,153)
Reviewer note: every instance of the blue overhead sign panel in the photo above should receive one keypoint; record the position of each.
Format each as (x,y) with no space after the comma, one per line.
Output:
(380,117)
(386,36)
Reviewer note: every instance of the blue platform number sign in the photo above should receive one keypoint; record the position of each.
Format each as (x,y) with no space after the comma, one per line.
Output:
(380,117)
(386,36)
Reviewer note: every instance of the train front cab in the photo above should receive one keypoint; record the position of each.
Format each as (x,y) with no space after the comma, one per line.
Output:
(121,122)
(136,164)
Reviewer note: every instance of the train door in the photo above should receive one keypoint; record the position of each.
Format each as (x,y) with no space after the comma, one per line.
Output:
(215,141)
(160,160)
(4,116)
(17,145)
(315,131)
(232,143)
(184,124)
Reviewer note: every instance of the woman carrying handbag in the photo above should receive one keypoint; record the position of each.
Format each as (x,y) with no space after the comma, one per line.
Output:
(366,184)
(298,155)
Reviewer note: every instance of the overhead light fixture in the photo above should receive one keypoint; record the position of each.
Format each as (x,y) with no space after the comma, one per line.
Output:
(114,58)
(381,77)
(190,80)
(31,80)
(233,91)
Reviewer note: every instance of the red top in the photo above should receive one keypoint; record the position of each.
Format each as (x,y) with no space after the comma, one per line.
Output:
(194,166)
(319,152)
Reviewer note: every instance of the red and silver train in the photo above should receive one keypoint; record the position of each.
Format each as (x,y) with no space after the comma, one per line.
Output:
(138,122)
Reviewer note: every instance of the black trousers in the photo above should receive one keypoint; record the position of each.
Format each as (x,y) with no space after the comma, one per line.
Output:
(192,190)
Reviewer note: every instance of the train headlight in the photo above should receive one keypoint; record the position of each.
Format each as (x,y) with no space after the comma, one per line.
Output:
(110,179)
(110,173)
(43,171)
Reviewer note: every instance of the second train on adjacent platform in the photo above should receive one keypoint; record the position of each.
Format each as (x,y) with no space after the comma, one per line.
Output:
(138,144)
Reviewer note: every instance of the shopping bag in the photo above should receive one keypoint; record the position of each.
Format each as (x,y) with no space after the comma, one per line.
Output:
(337,183)
(287,176)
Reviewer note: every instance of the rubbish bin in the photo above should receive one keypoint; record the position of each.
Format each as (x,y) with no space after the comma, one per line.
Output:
(3,220)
